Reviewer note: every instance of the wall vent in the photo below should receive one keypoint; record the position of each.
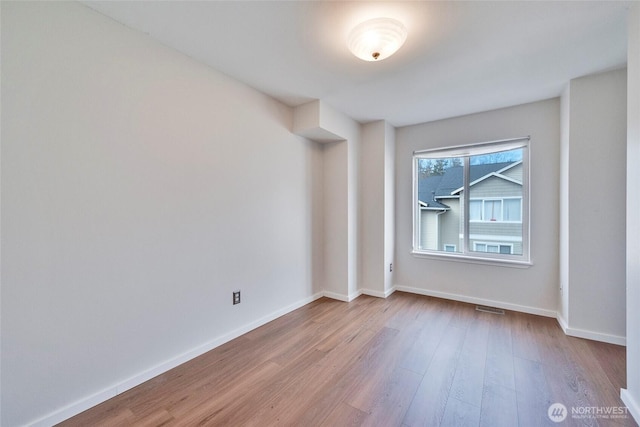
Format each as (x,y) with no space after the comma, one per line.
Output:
(491,310)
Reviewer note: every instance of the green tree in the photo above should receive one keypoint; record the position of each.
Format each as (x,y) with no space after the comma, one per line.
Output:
(439,166)
(425,167)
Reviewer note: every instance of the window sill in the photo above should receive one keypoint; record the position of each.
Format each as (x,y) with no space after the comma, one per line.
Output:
(512,263)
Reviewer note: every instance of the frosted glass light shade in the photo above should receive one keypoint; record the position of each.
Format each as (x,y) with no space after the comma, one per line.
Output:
(376,39)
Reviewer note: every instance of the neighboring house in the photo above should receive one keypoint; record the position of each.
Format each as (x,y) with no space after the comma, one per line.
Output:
(495,214)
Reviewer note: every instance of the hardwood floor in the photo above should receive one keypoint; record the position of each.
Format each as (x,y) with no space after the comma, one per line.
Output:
(406,360)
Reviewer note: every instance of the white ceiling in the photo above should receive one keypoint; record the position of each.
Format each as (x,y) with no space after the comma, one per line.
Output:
(459,57)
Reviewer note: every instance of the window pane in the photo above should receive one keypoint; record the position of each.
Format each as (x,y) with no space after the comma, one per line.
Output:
(472,200)
(475,210)
(492,210)
(439,213)
(496,178)
(512,210)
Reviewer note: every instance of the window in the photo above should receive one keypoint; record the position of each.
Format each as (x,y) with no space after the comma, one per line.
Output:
(472,201)
(512,209)
(496,248)
(496,210)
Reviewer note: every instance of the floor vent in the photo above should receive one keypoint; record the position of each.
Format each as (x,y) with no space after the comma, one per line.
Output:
(492,310)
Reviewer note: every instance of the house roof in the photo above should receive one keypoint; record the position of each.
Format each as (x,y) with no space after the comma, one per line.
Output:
(434,205)
(434,187)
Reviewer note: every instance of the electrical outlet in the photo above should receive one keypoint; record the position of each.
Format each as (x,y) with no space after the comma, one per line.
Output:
(236,297)
(390,267)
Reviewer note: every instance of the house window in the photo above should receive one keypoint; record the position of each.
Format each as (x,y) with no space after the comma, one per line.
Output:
(495,248)
(472,201)
(496,210)
(512,209)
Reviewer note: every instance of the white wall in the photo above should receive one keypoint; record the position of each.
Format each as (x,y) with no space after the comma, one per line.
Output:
(372,204)
(631,396)
(531,289)
(340,138)
(139,189)
(565,132)
(336,225)
(353,204)
(595,169)
(389,206)
(377,208)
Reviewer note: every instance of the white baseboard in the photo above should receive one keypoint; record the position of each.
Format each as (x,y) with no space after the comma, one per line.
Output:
(590,335)
(573,332)
(632,404)
(341,297)
(562,322)
(378,294)
(351,297)
(480,301)
(75,408)
(106,394)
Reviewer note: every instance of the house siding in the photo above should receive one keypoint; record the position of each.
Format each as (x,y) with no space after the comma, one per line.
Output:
(500,232)
(514,172)
(428,230)
(495,187)
(450,225)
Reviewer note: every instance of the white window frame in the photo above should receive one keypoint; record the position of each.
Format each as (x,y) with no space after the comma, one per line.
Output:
(465,152)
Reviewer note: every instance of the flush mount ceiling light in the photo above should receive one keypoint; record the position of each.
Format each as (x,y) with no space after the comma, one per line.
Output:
(376,39)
